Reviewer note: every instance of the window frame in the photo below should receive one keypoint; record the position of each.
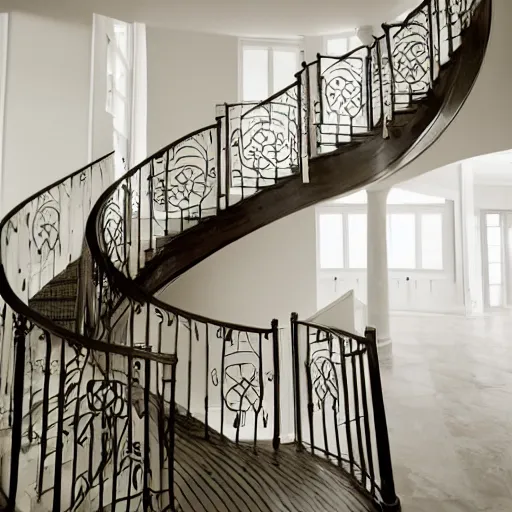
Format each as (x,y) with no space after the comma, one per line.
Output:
(346,209)
(292,45)
(505,258)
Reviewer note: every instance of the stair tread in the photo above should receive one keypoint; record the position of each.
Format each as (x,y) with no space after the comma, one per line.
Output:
(53,299)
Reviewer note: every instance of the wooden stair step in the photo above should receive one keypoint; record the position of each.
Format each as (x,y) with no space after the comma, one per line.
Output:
(53,308)
(58,289)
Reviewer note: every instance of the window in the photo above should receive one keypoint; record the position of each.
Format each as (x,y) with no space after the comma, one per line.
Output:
(494,242)
(336,46)
(432,241)
(401,240)
(119,89)
(267,68)
(255,74)
(415,233)
(331,240)
(357,240)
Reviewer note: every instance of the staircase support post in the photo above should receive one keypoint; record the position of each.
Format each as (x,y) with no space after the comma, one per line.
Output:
(391,502)
(277,391)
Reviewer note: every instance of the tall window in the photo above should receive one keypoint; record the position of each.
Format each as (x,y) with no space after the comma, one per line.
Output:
(415,227)
(267,68)
(331,240)
(401,240)
(432,241)
(119,88)
(357,240)
(497,252)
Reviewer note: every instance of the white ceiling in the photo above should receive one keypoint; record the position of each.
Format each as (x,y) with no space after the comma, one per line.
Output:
(270,18)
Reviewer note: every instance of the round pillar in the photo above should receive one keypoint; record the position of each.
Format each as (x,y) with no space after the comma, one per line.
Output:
(377,265)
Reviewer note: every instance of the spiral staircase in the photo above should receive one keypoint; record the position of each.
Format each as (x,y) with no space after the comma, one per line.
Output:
(112,399)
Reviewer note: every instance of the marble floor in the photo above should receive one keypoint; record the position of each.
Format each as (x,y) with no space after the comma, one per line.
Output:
(448,392)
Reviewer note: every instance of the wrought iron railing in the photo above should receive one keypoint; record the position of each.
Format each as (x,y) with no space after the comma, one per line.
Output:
(333,101)
(74,410)
(251,146)
(339,406)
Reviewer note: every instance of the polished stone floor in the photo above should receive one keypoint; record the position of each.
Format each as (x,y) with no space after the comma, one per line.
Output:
(448,390)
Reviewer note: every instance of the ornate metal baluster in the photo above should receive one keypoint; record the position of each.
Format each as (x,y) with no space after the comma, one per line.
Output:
(206,380)
(294,328)
(362,378)
(57,484)
(189,366)
(310,392)
(20,334)
(227,159)
(166,192)
(219,160)
(336,399)
(277,385)
(147,499)
(346,404)
(357,414)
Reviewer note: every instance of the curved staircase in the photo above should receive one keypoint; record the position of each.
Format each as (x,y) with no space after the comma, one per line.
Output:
(111,399)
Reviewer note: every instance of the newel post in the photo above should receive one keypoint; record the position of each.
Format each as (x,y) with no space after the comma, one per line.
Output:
(391,503)
(276,441)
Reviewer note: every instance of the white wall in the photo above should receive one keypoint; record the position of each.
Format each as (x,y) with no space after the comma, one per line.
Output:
(47,104)
(483,124)
(493,197)
(267,274)
(408,291)
(188,73)
(4,37)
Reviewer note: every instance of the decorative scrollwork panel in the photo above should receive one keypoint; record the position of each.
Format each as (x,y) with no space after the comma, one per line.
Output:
(264,142)
(411,59)
(90,424)
(184,178)
(343,97)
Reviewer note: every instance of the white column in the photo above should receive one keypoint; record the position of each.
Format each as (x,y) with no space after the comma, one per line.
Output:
(471,245)
(377,266)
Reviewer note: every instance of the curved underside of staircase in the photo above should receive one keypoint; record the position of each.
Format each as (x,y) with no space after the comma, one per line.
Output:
(116,400)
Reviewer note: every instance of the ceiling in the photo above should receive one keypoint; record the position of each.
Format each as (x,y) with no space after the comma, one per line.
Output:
(493,169)
(263,18)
